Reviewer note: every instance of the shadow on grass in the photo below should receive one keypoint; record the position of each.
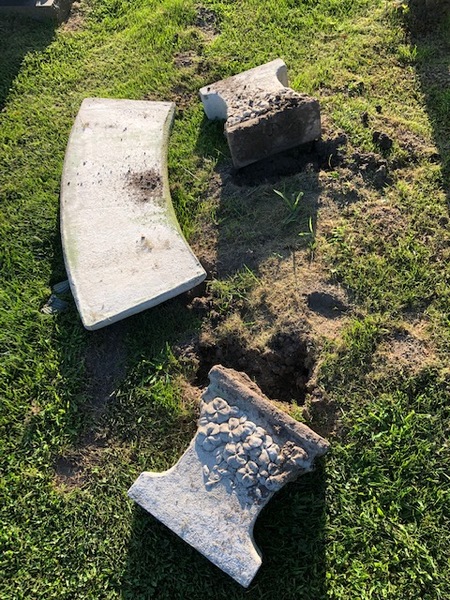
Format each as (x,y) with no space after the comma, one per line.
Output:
(430,33)
(289,533)
(19,36)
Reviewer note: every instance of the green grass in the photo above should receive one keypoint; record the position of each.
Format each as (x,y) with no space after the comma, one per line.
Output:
(372,521)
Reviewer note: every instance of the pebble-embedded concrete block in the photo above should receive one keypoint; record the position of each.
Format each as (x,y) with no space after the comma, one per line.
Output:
(245,449)
(263,116)
(123,247)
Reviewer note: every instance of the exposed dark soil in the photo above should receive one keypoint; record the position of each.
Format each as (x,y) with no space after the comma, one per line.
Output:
(185,60)
(281,369)
(148,184)
(208,21)
(322,413)
(372,167)
(75,19)
(68,473)
(325,154)
(105,364)
(105,360)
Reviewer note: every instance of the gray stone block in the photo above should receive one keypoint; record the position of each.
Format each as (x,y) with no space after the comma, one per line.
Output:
(263,116)
(245,449)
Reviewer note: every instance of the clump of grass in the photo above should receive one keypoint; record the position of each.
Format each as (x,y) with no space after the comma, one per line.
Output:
(233,292)
(293,204)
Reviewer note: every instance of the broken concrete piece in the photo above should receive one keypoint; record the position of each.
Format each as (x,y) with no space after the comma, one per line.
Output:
(245,449)
(123,247)
(263,116)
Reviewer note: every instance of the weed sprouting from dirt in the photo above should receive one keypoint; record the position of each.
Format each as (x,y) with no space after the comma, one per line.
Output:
(292,202)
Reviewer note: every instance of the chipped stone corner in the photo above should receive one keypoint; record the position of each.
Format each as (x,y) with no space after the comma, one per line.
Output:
(244,451)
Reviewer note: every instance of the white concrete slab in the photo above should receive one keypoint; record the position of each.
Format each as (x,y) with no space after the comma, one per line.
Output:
(245,450)
(123,248)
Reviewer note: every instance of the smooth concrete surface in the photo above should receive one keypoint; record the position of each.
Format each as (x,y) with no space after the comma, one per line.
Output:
(123,247)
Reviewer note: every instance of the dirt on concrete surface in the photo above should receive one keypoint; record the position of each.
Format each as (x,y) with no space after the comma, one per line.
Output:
(147,184)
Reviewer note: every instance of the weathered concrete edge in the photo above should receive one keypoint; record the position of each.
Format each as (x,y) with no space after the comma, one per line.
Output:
(94,325)
(135,494)
(236,384)
(88,323)
(238,388)
(214,96)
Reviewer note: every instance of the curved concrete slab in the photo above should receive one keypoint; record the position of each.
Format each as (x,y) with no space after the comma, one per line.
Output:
(123,247)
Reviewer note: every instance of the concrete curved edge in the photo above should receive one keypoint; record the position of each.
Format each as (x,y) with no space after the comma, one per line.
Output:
(123,247)
(214,523)
(215,97)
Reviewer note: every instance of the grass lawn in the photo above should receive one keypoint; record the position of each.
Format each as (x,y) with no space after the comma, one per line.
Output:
(355,284)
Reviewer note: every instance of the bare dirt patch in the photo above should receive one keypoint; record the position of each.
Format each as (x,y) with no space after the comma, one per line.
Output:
(75,20)
(74,470)
(148,184)
(184,60)
(273,330)
(408,350)
(68,473)
(105,364)
(281,367)
(386,220)
(207,20)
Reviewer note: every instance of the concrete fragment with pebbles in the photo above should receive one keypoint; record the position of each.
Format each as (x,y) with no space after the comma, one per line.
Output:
(123,248)
(245,449)
(262,115)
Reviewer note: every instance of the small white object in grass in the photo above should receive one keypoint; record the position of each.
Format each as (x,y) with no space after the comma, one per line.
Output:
(54,306)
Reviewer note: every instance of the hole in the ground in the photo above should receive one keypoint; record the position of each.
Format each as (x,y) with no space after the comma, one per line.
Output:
(321,155)
(281,370)
(325,304)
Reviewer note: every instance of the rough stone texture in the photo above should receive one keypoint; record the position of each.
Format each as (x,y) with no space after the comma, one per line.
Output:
(263,116)
(123,247)
(37,9)
(245,450)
